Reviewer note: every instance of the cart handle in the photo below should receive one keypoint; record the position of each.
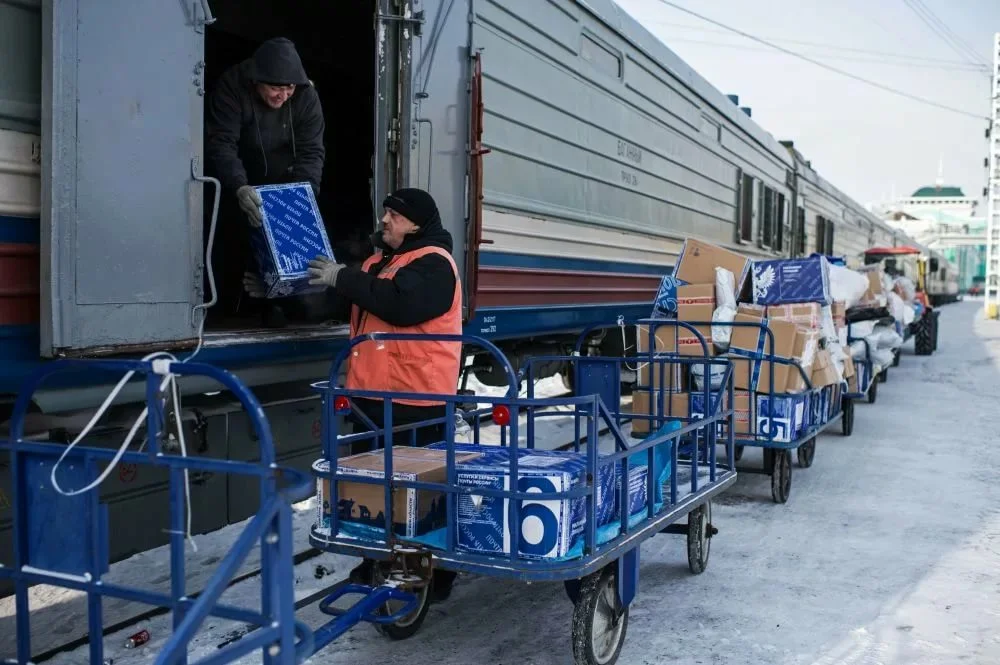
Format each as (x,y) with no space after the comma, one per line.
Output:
(650,323)
(228,380)
(512,383)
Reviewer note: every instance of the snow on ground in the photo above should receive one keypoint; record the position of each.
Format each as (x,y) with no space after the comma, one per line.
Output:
(888,552)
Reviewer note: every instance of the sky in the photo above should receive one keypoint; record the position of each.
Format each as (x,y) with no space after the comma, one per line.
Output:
(868,142)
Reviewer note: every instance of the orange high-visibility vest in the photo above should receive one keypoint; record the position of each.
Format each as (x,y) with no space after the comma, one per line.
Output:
(407,366)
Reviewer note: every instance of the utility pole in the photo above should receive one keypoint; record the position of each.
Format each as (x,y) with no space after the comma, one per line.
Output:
(992,294)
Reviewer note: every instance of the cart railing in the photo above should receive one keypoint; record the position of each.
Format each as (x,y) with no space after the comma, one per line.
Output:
(867,365)
(503,411)
(73,552)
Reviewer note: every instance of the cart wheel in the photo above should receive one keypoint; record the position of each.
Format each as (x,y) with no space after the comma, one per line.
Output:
(873,392)
(700,532)
(884,376)
(847,421)
(895,358)
(781,476)
(806,453)
(599,620)
(408,625)
(738,453)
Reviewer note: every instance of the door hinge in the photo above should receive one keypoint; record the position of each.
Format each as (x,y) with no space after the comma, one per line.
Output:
(394,136)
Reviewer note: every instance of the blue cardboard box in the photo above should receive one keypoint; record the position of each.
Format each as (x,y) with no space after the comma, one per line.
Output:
(783,417)
(291,235)
(789,281)
(549,528)
(665,305)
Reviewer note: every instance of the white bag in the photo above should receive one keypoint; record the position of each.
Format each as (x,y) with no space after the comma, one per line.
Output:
(847,285)
(725,311)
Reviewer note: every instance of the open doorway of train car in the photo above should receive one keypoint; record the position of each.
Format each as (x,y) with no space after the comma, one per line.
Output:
(336,42)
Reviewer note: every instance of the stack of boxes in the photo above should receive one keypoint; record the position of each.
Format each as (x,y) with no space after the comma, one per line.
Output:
(550,528)
(788,312)
(688,295)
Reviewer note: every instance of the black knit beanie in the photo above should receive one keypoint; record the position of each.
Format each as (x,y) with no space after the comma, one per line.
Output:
(415,204)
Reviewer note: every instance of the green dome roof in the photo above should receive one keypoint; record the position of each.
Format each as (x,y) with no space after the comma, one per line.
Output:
(938,192)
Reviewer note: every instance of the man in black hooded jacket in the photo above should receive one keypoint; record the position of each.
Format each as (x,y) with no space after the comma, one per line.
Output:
(264,126)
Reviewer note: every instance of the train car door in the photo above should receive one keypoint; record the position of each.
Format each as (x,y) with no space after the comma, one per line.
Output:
(121,237)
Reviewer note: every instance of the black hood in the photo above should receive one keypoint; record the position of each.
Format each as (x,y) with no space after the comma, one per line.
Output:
(276,61)
(432,235)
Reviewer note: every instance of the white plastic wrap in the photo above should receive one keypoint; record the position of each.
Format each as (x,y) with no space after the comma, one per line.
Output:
(884,337)
(861,329)
(909,314)
(847,285)
(905,288)
(858,350)
(882,357)
(896,306)
(725,310)
(828,330)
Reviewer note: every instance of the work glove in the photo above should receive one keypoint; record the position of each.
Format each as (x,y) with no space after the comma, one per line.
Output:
(253,285)
(250,203)
(323,270)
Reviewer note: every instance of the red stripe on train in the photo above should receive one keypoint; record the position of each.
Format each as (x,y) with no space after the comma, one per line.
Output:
(511,287)
(19,284)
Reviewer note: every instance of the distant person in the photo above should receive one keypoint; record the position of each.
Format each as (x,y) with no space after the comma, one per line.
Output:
(264,126)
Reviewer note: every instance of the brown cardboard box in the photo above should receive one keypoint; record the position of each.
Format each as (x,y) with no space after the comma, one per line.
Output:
(748,339)
(848,367)
(806,347)
(698,260)
(805,315)
(839,310)
(678,405)
(675,405)
(650,373)
(875,292)
(695,302)
(824,373)
(414,511)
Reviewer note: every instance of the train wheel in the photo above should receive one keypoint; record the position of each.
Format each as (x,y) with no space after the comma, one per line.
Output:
(599,619)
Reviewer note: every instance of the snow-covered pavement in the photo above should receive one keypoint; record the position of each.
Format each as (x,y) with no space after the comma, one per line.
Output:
(888,552)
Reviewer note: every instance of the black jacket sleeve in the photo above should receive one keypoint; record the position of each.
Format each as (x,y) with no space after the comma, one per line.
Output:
(420,291)
(309,129)
(223,122)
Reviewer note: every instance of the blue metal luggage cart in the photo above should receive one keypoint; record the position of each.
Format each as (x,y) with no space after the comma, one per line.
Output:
(61,529)
(867,378)
(779,422)
(622,493)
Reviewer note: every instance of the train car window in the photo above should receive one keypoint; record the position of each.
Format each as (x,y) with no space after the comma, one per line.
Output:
(767,219)
(800,233)
(601,56)
(779,228)
(746,208)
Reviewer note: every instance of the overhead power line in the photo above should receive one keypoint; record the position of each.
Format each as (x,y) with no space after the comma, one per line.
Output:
(892,63)
(941,29)
(847,49)
(795,54)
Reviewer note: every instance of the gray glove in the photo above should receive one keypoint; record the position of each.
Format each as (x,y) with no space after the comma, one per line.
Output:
(323,270)
(250,203)
(253,285)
